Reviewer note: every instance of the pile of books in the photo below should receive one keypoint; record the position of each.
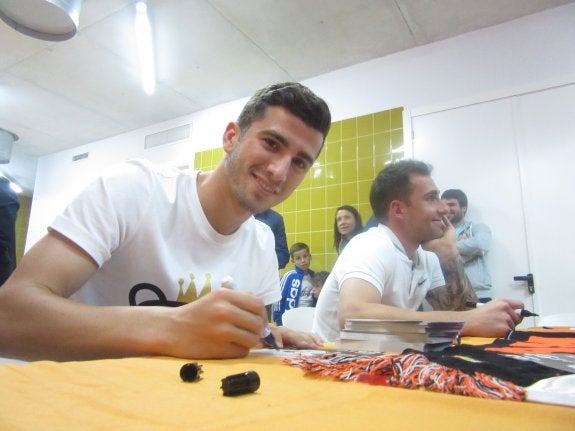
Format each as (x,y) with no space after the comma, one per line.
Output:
(394,336)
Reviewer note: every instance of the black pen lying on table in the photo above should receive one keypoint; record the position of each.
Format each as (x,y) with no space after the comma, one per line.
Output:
(521,311)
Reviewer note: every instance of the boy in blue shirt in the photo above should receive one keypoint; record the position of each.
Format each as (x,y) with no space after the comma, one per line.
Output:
(296,284)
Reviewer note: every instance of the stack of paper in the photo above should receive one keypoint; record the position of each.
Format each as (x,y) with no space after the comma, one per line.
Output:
(373,335)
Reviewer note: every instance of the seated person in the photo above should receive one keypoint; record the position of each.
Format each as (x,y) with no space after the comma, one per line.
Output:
(385,273)
(295,284)
(317,283)
(141,224)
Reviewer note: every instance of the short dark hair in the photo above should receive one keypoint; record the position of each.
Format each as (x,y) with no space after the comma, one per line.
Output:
(319,277)
(457,195)
(298,246)
(296,98)
(394,183)
(358,224)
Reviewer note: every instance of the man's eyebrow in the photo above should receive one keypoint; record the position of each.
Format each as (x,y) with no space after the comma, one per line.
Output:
(432,193)
(282,140)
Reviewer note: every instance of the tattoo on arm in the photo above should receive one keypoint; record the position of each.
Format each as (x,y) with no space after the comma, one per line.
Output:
(457,290)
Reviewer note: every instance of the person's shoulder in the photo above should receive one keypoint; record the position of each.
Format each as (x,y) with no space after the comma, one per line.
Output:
(260,226)
(377,235)
(479,226)
(429,257)
(290,273)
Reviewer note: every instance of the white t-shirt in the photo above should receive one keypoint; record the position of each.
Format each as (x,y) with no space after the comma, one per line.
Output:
(143,223)
(377,257)
(306,298)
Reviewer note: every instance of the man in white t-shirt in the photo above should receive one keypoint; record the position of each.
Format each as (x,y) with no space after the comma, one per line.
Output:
(147,235)
(385,273)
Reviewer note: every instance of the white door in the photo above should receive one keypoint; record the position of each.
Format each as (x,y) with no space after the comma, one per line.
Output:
(546,135)
(473,148)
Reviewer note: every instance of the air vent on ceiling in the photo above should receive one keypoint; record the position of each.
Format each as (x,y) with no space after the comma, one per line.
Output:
(80,156)
(167,136)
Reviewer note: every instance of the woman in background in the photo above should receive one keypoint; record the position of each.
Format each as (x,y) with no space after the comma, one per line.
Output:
(347,225)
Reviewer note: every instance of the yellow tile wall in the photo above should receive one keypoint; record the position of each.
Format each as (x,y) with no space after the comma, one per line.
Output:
(356,149)
(22,220)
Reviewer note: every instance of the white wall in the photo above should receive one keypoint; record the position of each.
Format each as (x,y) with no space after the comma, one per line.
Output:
(530,53)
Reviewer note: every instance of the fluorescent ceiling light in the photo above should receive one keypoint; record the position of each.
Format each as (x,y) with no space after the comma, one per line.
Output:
(145,48)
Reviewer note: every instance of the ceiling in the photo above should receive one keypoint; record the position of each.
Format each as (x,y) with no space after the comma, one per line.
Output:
(58,95)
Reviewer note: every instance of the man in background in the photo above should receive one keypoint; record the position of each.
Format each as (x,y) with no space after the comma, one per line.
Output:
(473,242)
(276,223)
(9,206)
(387,272)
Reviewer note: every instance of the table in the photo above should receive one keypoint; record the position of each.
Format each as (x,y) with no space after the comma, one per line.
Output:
(148,394)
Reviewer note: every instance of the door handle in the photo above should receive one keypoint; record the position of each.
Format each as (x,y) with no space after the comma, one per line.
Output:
(529,279)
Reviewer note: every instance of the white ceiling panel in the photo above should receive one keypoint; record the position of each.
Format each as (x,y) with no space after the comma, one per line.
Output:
(58,95)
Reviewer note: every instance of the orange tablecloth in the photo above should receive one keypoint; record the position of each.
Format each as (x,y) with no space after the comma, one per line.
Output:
(147,394)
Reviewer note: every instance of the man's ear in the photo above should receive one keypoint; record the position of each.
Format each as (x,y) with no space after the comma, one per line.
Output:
(464,210)
(231,136)
(396,209)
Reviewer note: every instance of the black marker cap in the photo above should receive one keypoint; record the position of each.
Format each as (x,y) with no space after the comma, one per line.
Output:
(191,372)
(242,383)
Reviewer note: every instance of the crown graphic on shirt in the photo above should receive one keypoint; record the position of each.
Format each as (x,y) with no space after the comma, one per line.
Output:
(191,293)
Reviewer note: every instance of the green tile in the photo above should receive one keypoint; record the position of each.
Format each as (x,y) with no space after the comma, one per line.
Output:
(317,219)
(317,197)
(317,175)
(333,196)
(365,147)
(303,221)
(396,139)
(396,117)
(332,174)
(303,200)
(289,221)
(349,194)
(348,129)
(290,204)
(349,171)
(381,143)
(321,158)
(306,182)
(334,134)
(381,122)
(301,236)
(317,246)
(379,162)
(349,149)
(365,211)
(365,169)
(363,189)
(333,152)
(365,125)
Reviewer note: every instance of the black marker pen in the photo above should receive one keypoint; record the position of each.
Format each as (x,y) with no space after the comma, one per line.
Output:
(267,336)
(521,311)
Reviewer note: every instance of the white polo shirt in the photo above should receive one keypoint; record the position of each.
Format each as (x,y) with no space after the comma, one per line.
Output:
(377,256)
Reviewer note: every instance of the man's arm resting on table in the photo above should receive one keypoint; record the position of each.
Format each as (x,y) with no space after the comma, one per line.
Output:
(37,321)
(457,290)
(359,299)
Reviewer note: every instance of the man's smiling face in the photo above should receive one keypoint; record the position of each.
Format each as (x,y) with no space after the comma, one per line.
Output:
(271,158)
